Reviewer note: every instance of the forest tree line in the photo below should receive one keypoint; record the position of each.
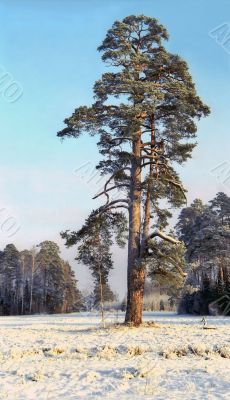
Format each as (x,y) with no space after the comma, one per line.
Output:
(205,231)
(195,273)
(36,281)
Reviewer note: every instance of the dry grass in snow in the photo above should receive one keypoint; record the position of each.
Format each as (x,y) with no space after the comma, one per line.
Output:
(73,357)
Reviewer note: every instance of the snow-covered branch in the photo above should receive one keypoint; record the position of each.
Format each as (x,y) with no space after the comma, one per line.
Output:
(163,236)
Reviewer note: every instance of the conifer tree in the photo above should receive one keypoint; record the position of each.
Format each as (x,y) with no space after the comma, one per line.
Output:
(72,297)
(205,232)
(37,282)
(52,274)
(145,113)
(103,291)
(167,265)
(220,282)
(94,240)
(11,282)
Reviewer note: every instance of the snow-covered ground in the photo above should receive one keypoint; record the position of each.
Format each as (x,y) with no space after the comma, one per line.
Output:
(73,357)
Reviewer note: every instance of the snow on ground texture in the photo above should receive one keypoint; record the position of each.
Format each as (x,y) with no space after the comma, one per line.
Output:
(73,357)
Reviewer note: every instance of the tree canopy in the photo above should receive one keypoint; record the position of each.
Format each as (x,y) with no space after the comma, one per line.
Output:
(144,111)
(205,231)
(36,280)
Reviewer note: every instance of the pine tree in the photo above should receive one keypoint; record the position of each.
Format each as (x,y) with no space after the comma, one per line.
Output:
(51,269)
(206,234)
(11,280)
(41,282)
(187,219)
(221,206)
(25,264)
(167,266)
(33,268)
(220,282)
(162,305)
(227,280)
(94,240)
(103,291)
(26,296)
(144,111)
(206,285)
(72,297)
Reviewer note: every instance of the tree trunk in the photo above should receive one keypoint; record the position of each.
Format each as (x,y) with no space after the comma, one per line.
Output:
(136,273)
(23,272)
(33,268)
(101,298)
(32,281)
(147,208)
(137,245)
(31,292)
(44,305)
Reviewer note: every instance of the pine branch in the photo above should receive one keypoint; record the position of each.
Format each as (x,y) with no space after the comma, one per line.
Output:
(153,146)
(118,201)
(154,163)
(109,180)
(113,205)
(180,270)
(107,205)
(119,206)
(163,236)
(121,138)
(176,184)
(111,188)
(147,151)
(151,157)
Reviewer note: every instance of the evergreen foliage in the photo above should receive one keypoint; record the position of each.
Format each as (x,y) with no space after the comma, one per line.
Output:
(167,266)
(145,113)
(94,241)
(205,230)
(36,282)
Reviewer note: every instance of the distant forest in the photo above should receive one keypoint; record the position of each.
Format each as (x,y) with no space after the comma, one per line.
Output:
(205,231)
(194,273)
(36,281)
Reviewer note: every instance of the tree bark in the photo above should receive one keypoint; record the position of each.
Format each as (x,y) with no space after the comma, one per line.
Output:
(147,208)
(101,298)
(32,279)
(23,273)
(136,274)
(137,244)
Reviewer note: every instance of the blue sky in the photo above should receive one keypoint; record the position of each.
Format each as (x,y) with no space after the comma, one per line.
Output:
(49,47)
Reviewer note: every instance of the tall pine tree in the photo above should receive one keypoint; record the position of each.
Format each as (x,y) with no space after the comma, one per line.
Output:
(144,112)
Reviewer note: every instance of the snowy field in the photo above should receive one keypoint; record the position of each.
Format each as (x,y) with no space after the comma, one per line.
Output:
(72,357)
